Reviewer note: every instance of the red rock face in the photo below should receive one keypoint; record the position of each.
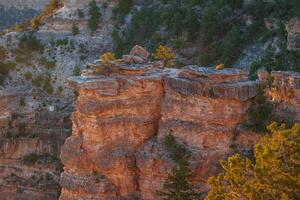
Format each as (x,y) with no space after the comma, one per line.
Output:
(116,148)
(115,116)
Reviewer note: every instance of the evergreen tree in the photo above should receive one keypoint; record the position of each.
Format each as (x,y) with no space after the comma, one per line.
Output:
(75,29)
(275,174)
(176,186)
(94,12)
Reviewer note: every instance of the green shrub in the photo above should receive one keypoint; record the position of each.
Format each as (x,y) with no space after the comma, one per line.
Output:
(76,71)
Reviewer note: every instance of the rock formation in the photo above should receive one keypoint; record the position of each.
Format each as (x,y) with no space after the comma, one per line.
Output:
(122,115)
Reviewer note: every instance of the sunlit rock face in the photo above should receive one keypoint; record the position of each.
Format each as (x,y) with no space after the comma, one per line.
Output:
(31,136)
(116,151)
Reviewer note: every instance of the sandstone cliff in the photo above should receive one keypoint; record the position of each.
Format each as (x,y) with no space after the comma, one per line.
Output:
(116,151)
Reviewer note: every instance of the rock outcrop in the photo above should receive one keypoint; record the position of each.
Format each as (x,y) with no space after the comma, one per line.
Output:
(122,115)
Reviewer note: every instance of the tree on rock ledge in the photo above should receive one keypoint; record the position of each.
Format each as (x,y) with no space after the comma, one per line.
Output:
(275,174)
(177,187)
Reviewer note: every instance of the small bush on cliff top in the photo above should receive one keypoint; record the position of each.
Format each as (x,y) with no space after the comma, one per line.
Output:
(275,174)
(165,54)
(107,57)
(176,186)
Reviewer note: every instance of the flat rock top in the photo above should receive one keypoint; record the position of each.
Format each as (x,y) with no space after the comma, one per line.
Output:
(213,71)
(217,76)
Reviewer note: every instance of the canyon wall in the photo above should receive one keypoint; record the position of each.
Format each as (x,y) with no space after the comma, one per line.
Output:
(33,129)
(116,151)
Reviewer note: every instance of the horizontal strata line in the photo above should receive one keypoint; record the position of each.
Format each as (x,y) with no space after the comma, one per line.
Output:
(193,125)
(53,190)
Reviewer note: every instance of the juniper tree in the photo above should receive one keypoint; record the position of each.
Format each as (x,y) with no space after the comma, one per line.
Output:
(274,175)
